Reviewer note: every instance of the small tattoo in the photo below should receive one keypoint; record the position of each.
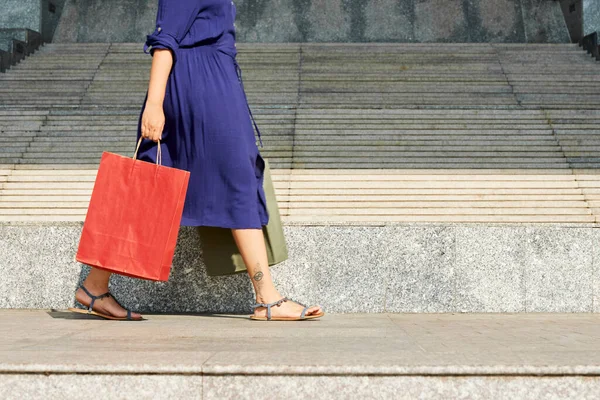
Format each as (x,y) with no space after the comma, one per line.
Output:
(258,276)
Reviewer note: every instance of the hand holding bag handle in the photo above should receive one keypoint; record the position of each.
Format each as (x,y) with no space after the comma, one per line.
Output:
(158,153)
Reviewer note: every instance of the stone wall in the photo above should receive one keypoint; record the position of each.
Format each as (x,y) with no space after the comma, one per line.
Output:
(20,14)
(591,16)
(335,21)
(366,269)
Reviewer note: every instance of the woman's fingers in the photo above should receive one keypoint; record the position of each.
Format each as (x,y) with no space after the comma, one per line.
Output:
(145,127)
(156,132)
(148,129)
(160,131)
(151,132)
(153,122)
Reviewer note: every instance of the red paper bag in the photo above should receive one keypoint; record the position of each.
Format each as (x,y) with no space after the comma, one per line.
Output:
(133,218)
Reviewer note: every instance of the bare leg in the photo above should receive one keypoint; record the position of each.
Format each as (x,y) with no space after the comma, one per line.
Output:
(251,244)
(97,283)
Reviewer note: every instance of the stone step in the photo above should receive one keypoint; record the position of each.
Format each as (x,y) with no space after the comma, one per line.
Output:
(432,163)
(404,213)
(354,195)
(225,355)
(354,148)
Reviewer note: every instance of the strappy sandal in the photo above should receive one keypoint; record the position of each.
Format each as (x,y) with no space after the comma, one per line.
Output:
(89,310)
(277,303)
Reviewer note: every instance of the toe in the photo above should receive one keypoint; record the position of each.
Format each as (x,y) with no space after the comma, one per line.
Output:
(135,315)
(260,312)
(314,310)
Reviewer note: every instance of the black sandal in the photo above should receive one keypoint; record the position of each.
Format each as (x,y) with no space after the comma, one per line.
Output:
(106,316)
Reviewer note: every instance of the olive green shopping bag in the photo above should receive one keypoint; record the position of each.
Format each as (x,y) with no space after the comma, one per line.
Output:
(220,252)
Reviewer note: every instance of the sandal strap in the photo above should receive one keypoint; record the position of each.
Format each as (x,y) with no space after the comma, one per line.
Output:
(94,298)
(303,311)
(269,305)
(117,301)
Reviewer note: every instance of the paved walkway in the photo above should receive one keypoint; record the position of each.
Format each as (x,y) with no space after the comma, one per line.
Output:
(351,344)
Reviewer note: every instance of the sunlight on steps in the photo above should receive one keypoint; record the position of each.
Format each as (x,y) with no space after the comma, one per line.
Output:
(355,133)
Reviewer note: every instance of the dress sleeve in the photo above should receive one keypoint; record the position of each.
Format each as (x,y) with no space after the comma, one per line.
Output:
(173,21)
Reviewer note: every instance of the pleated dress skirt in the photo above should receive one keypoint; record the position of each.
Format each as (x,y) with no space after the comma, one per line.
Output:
(208,131)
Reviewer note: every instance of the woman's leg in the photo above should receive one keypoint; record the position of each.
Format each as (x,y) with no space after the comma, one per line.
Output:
(251,244)
(97,283)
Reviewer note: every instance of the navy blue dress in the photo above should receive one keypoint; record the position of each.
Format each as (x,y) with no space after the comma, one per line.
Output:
(208,123)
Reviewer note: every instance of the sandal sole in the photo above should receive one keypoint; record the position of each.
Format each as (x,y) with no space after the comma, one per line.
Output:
(287,318)
(105,316)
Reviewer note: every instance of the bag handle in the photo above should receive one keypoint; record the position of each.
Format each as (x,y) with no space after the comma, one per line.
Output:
(158,153)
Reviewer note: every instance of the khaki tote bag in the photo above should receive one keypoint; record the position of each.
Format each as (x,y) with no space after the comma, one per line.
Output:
(220,252)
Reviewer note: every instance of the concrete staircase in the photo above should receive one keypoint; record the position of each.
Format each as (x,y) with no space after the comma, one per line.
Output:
(443,177)
(356,133)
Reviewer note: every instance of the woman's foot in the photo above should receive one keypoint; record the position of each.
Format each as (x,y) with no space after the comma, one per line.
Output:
(106,305)
(286,309)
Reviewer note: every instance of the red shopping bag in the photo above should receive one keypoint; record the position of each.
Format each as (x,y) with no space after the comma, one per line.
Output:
(134,216)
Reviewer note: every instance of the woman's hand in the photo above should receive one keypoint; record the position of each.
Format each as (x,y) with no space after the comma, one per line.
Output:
(153,122)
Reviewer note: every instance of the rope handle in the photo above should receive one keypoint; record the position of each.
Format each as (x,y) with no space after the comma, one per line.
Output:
(158,153)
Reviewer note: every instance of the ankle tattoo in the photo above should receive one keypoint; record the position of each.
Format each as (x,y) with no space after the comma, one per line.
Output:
(258,276)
